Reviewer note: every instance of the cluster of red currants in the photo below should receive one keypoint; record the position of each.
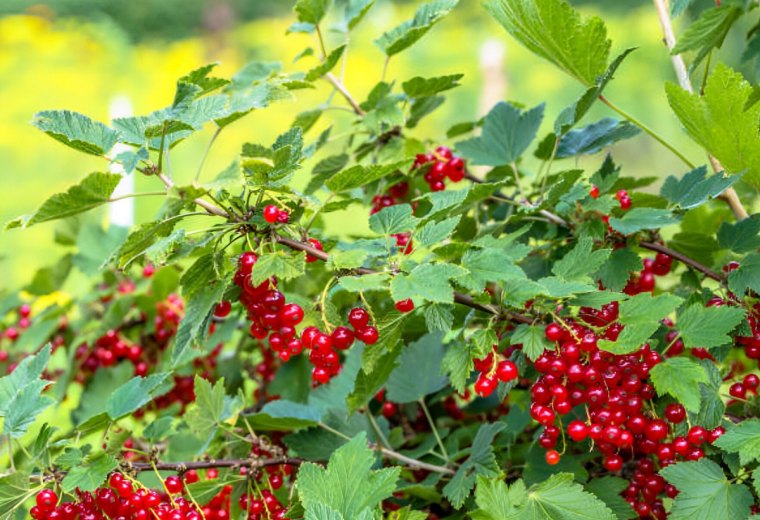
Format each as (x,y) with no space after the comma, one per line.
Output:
(622,196)
(273,319)
(493,370)
(645,281)
(274,215)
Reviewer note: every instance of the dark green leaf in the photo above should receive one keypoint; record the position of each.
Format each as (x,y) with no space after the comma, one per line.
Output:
(77,131)
(707,327)
(742,438)
(594,137)
(694,189)
(407,34)
(418,372)
(616,271)
(418,87)
(132,395)
(742,236)
(708,32)
(638,219)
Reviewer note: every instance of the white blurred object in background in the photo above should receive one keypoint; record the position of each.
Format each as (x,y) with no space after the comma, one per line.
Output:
(122,212)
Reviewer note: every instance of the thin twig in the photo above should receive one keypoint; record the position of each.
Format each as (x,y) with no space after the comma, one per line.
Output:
(181,467)
(340,87)
(211,208)
(729,194)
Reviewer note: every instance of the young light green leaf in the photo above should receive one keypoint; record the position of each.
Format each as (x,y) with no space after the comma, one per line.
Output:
(367,282)
(132,395)
(94,190)
(311,11)
(348,485)
(77,131)
(355,11)
(638,219)
(433,233)
(457,364)
(507,133)
(212,407)
(427,282)
(418,87)
(407,34)
(693,189)
(488,265)
(14,491)
(581,261)
(708,32)
(284,266)
(359,175)
(418,372)
(496,501)
(680,377)
(641,315)
(705,493)
(91,474)
(532,339)
(742,438)
(553,30)
(393,219)
(561,497)
(24,407)
(706,327)
(323,68)
(721,122)
(594,137)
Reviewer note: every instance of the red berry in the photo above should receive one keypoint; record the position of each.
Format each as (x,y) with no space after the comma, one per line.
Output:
(46,500)
(389,409)
(222,309)
(191,476)
(291,314)
(657,430)
(552,457)
(594,191)
(271,212)
(342,338)
(485,385)
(577,430)
(368,335)
(358,318)
(751,381)
(697,435)
(506,371)
(737,390)
(554,332)
(405,305)
(316,244)
(173,484)
(283,216)
(613,462)
(675,413)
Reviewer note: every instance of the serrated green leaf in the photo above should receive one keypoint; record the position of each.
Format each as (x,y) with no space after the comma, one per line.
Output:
(594,137)
(609,490)
(359,175)
(488,265)
(641,315)
(532,338)
(496,501)
(330,61)
(707,32)
(553,30)
(742,438)
(439,317)
(77,131)
(94,190)
(707,327)
(14,491)
(639,219)
(747,276)
(133,394)
(721,122)
(24,407)
(212,407)
(348,485)
(355,11)
(418,87)
(393,219)
(409,32)
(433,233)
(616,271)
(367,282)
(560,497)
(311,11)
(694,188)
(284,266)
(742,236)
(284,415)
(92,474)
(457,364)
(705,493)
(507,133)
(418,372)
(680,377)
(427,282)
(481,461)
(581,261)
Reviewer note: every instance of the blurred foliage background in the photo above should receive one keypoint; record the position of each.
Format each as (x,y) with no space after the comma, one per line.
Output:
(86,55)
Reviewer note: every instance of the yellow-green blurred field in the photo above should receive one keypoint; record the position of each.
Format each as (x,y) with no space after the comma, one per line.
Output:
(57,64)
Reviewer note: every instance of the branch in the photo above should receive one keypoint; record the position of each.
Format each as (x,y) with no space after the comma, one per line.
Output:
(653,246)
(211,208)
(340,87)
(729,194)
(181,467)
(460,298)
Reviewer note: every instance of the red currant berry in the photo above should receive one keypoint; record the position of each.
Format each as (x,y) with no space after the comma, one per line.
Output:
(577,431)
(46,500)
(552,457)
(342,338)
(173,484)
(368,335)
(271,213)
(594,191)
(554,332)
(506,371)
(485,385)
(222,309)
(675,413)
(316,244)
(613,462)
(404,305)
(358,318)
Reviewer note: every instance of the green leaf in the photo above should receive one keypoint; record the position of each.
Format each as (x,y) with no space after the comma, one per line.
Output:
(742,236)
(284,266)
(426,282)
(418,87)
(409,32)
(705,493)
(747,276)
(89,476)
(433,233)
(553,30)
(532,338)
(330,61)
(707,327)
(708,32)
(14,491)
(693,189)
(77,131)
(350,259)
(721,122)
(24,407)
(638,219)
(367,282)
(581,261)
(641,315)
(679,6)
(481,461)
(594,137)
(457,364)
(507,133)
(616,271)
(742,438)
(439,317)
(419,371)
(609,490)
(560,497)
(133,394)
(284,415)
(348,485)
(355,11)
(367,384)
(393,219)
(680,377)
(488,265)
(496,501)
(94,190)
(311,11)
(359,175)
(212,407)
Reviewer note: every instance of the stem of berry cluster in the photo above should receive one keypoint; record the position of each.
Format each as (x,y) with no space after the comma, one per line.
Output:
(181,467)
(729,194)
